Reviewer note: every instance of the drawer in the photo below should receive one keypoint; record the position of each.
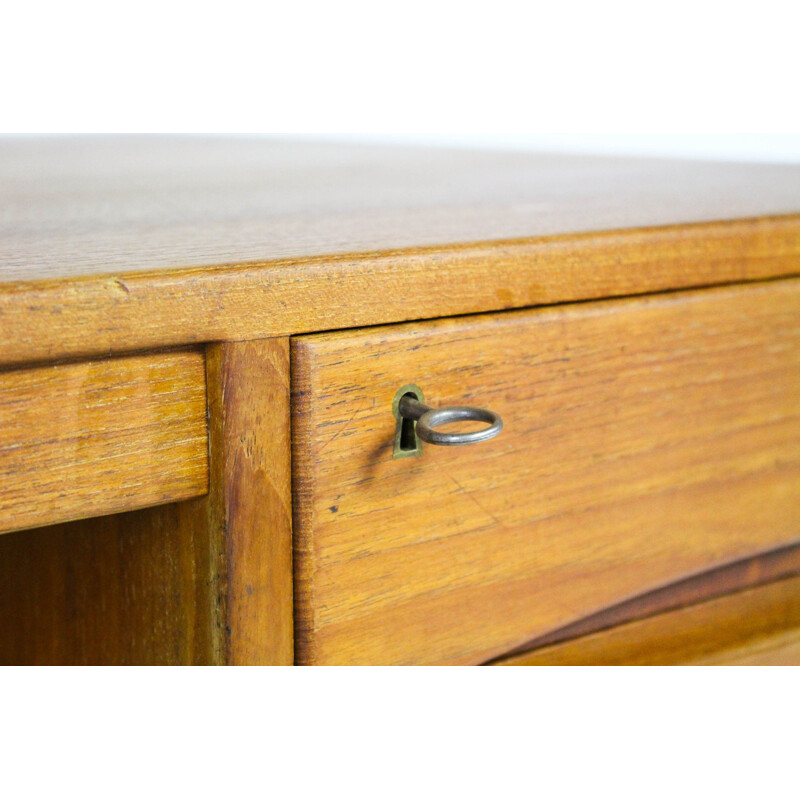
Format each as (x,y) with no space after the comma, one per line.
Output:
(756,627)
(98,437)
(645,440)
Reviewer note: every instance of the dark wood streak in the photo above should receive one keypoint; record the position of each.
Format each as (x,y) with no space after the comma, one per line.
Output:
(747,573)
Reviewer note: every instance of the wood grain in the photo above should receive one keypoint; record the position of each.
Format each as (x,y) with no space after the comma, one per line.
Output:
(645,440)
(79,206)
(98,437)
(735,576)
(759,626)
(138,588)
(251,497)
(76,317)
(207,581)
(117,244)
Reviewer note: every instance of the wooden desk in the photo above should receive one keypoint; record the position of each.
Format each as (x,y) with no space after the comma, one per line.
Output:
(202,342)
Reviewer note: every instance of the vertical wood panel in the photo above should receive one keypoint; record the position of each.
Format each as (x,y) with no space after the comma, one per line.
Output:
(251,495)
(134,588)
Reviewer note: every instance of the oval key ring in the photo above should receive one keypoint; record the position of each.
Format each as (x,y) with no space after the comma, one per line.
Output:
(428,419)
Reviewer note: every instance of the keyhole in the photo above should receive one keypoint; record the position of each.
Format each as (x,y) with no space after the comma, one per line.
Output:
(408,437)
(406,441)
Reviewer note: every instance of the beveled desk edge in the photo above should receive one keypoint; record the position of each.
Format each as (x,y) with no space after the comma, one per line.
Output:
(108,315)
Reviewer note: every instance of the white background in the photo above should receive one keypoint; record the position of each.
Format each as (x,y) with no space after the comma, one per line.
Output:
(615,76)
(769,147)
(554,75)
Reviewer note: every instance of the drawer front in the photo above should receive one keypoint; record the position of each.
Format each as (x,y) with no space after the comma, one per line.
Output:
(645,440)
(98,437)
(760,626)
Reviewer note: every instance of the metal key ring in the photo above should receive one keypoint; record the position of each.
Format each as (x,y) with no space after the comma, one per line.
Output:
(430,418)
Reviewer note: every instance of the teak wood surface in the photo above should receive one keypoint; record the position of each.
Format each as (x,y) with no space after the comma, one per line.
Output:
(119,204)
(139,588)
(100,437)
(734,576)
(759,626)
(251,497)
(117,244)
(645,440)
(206,581)
(127,246)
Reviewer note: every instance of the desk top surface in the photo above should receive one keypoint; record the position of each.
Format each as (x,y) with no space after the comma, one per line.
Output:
(115,244)
(81,206)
